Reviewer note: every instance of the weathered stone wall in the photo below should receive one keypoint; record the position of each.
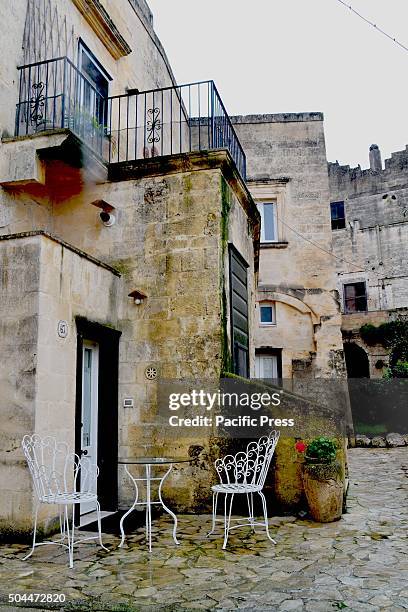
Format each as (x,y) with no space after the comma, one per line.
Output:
(373,245)
(170,241)
(286,161)
(43,282)
(19,269)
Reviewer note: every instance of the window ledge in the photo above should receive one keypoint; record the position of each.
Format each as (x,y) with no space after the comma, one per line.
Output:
(274,245)
(103,26)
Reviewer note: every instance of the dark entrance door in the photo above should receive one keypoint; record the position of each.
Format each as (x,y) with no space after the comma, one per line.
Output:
(106,410)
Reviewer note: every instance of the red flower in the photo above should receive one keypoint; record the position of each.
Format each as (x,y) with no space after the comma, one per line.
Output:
(300,446)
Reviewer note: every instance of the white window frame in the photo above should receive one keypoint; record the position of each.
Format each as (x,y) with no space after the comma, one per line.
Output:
(275,220)
(272,305)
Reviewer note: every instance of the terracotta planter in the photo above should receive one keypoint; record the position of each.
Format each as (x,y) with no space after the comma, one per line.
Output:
(323,486)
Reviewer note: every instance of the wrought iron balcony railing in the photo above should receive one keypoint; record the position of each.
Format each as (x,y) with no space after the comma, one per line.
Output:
(135,125)
(171,120)
(55,94)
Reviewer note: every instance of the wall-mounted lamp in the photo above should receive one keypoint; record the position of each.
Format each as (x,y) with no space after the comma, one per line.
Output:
(106,215)
(138,296)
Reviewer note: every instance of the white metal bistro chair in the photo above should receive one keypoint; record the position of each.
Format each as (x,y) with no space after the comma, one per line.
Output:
(62,478)
(244,473)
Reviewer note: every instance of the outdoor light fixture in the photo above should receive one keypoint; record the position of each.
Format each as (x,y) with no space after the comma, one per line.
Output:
(106,215)
(138,296)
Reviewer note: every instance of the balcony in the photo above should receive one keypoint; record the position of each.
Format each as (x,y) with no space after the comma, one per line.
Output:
(54,94)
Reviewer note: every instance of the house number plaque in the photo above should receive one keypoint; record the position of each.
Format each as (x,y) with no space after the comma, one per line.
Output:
(62,329)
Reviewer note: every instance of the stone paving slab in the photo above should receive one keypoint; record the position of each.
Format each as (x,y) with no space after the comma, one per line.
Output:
(358,563)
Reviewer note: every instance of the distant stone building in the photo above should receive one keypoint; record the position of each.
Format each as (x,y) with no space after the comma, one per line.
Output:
(369,212)
(297,321)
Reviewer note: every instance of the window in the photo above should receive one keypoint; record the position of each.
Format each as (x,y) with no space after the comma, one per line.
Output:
(338,219)
(269,227)
(239,312)
(355,297)
(94,90)
(268,365)
(267,313)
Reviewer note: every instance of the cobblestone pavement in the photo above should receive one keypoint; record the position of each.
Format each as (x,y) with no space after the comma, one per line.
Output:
(358,563)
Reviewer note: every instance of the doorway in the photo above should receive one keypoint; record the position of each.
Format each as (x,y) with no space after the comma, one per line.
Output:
(357,363)
(268,364)
(96,416)
(89,412)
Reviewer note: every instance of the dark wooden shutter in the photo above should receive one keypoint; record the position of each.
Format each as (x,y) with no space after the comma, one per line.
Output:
(239,312)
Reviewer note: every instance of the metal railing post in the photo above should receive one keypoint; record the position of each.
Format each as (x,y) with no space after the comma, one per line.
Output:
(64,84)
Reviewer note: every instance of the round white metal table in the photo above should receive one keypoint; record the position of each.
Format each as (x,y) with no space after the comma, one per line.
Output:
(149,463)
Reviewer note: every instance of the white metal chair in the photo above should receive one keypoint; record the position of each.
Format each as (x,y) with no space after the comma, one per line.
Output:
(244,473)
(62,478)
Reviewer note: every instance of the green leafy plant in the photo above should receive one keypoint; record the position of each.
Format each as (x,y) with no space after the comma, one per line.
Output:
(369,333)
(386,334)
(321,450)
(392,335)
(397,370)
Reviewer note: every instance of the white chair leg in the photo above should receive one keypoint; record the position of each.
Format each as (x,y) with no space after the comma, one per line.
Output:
(62,524)
(70,535)
(227,519)
(98,512)
(214,513)
(250,500)
(34,534)
(266,516)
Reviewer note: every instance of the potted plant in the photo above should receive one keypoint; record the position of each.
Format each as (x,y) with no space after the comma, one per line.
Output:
(322,479)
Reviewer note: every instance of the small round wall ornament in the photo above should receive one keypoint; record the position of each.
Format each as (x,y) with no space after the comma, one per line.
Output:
(151,372)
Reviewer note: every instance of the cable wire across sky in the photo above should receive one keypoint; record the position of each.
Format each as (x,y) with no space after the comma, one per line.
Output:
(342,259)
(374,25)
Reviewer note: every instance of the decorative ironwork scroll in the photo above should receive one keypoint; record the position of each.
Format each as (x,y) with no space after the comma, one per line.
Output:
(153,126)
(37,103)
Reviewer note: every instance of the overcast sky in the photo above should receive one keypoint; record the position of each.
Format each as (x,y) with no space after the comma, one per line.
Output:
(271,56)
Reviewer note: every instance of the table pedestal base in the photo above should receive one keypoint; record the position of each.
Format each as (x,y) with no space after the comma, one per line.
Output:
(148,503)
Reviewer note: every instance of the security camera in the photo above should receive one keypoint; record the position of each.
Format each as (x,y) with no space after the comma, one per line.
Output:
(108,219)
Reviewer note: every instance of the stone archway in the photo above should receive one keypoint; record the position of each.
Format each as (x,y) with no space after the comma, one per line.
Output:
(357,362)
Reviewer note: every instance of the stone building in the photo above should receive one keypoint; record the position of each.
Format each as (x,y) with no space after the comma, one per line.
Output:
(116,269)
(369,211)
(297,319)
(130,247)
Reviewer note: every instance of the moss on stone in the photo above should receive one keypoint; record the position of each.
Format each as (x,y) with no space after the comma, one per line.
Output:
(122,266)
(226,357)
(324,471)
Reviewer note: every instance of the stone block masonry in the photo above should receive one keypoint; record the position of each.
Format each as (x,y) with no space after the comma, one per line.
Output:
(372,247)
(286,161)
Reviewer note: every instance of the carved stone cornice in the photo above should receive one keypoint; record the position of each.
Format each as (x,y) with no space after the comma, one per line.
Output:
(103,26)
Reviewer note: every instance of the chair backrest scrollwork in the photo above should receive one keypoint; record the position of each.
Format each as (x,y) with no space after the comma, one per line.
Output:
(56,470)
(248,467)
